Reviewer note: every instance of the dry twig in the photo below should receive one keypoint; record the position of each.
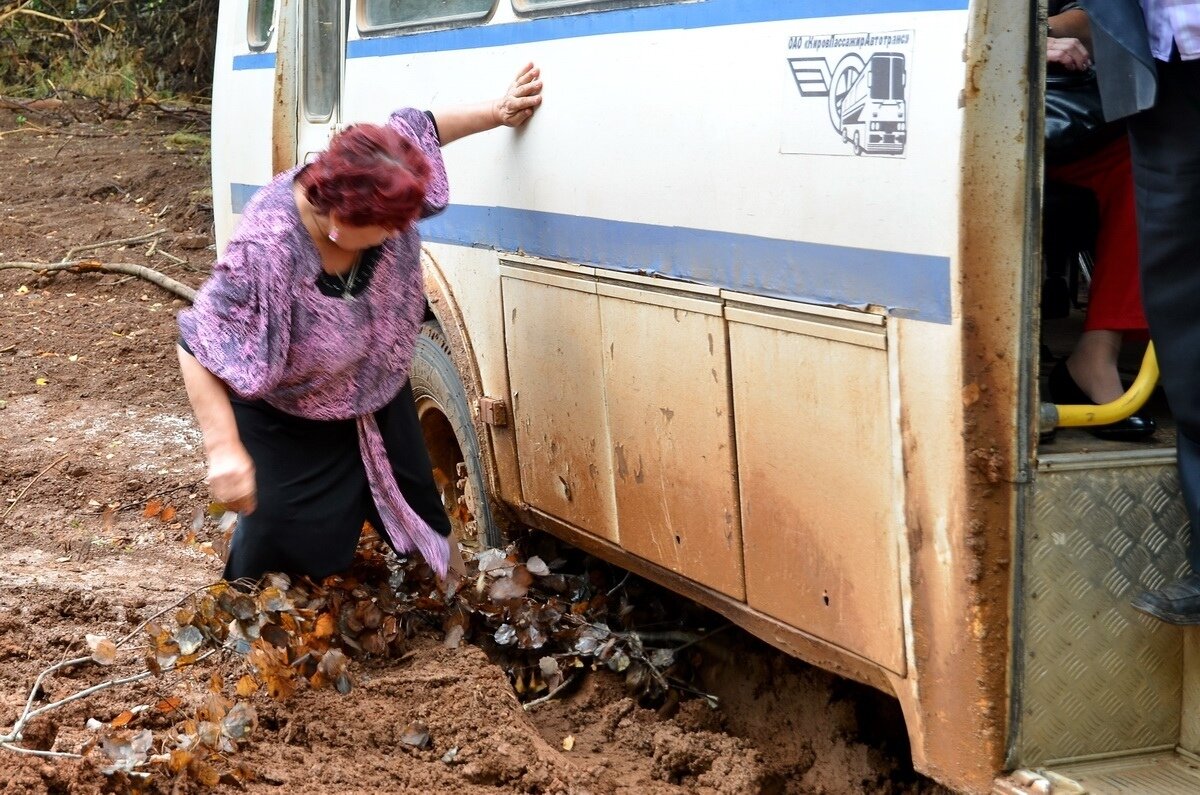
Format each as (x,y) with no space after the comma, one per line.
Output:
(17,499)
(25,9)
(565,684)
(122,241)
(6,740)
(95,266)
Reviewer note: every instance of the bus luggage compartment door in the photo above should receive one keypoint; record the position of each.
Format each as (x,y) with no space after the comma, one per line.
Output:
(622,411)
(821,497)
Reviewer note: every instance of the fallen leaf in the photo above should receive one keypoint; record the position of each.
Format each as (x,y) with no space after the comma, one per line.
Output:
(205,774)
(153,509)
(415,734)
(454,636)
(121,720)
(168,514)
(179,760)
(246,686)
(168,704)
(325,625)
(104,651)
(568,742)
(239,722)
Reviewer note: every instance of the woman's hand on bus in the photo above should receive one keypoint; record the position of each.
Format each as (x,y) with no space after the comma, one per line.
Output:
(1068,53)
(521,99)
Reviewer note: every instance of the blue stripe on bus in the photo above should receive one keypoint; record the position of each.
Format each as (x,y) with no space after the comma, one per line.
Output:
(241,193)
(254,60)
(910,285)
(710,14)
(714,13)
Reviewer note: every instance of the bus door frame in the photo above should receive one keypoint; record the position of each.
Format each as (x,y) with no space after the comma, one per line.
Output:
(297,137)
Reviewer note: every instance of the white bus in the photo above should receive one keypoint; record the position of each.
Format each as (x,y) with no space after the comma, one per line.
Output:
(676,321)
(872,109)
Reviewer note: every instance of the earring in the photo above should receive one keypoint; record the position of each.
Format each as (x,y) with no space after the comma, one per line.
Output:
(333,234)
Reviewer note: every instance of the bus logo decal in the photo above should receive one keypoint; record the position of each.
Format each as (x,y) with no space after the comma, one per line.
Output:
(862,79)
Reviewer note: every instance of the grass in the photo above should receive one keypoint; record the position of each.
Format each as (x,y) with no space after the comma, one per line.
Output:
(186,140)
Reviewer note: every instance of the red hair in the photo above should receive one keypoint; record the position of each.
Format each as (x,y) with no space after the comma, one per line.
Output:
(369,176)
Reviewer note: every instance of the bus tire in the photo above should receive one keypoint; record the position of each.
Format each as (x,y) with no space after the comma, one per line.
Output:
(445,416)
(858,150)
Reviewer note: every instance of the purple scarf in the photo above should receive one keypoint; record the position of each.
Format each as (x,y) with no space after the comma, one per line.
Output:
(261,325)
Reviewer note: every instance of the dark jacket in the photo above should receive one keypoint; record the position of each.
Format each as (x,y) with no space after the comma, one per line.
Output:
(1121,48)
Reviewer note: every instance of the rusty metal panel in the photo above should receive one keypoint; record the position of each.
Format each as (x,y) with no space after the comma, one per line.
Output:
(1093,675)
(666,374)
(552,334)
(821,499)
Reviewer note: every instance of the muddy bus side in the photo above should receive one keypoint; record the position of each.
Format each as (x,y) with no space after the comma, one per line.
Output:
(679,323)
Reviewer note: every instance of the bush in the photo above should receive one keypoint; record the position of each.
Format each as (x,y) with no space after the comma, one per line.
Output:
(108,49)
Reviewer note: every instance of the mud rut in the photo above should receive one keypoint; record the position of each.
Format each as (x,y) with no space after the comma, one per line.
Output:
(94,424)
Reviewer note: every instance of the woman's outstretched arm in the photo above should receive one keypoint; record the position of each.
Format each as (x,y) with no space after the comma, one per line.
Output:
(512,110)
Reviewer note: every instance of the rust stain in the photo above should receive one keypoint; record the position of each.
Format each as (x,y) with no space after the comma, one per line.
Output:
(970,394)
(989,464)
(961,607)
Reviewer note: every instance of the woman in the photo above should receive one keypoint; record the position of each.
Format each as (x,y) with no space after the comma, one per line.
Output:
(296,352)
(1089,374)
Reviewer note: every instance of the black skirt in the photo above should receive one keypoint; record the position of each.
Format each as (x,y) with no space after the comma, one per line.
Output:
(313,495)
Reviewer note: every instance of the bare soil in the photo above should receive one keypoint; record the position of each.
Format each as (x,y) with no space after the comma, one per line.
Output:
(94,425)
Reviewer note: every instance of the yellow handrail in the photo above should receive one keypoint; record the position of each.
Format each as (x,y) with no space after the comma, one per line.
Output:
(1107,413)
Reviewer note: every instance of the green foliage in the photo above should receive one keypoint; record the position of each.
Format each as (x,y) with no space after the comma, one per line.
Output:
(185,140)
(107,49)
(192,143)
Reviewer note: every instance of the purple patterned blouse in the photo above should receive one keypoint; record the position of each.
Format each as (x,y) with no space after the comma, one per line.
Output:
(262,326)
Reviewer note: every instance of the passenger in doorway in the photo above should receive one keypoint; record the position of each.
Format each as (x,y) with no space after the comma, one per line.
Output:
(296,352)
(1114,312)
(1148,63)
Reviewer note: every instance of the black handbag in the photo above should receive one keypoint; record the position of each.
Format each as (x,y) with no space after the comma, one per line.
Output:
(1075,125)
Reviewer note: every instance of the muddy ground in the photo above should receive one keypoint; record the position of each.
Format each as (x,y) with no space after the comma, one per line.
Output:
(94,425)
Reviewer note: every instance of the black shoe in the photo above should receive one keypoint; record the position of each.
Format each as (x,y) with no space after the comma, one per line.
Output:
(1176,602)
(1064,391)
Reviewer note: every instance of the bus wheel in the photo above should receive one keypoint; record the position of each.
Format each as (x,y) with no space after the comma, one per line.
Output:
(450,437)
(858,150)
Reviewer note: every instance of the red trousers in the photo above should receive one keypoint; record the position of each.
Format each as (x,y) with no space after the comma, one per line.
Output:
(1115,298)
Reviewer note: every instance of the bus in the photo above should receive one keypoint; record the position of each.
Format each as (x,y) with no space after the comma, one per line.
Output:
(872,109)
(672,323)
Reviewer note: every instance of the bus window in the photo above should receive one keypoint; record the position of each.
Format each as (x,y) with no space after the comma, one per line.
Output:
(887,77)
(322,58)
(260,24)
(543,7)
(382,14)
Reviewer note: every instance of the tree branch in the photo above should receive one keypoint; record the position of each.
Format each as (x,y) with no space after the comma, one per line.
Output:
(95,266)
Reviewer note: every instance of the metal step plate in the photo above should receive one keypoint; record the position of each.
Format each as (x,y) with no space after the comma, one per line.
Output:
(1157,774)
(1093,676)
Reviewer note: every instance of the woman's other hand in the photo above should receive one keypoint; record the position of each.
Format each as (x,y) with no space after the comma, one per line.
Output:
(231,479)
(521,99)
(1068,53)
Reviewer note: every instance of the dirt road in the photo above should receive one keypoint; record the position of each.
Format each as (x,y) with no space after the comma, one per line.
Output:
(94,426)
